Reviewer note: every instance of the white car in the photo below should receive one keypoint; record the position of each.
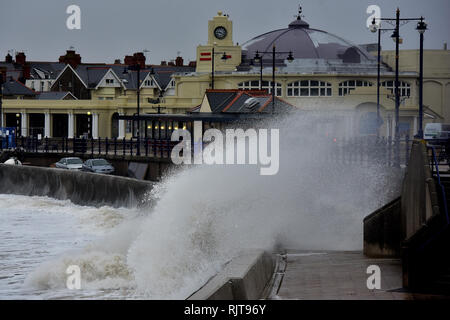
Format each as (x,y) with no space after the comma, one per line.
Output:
(72,163)
(13,161)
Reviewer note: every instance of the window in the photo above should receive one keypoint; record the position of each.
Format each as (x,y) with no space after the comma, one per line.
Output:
(128,126)
(309,88)
(346,86)
(42,85)
(404,87)
(266,85)
(172,83)
(109,81)
(149,83)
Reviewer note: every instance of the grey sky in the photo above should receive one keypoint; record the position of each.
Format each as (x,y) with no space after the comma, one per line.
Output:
(110,29)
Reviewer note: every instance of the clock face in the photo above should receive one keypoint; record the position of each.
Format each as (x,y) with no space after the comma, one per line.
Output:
(220,33)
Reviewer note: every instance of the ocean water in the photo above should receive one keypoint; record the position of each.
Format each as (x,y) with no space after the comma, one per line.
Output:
(36,230)
(199,218)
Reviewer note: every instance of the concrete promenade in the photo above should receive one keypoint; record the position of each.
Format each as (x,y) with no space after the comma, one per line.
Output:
(338,275)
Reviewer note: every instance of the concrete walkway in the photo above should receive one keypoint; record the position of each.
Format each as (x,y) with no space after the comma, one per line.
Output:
(338,275)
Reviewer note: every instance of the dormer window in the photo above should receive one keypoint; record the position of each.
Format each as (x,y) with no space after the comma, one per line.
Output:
(149,83)
(109,81)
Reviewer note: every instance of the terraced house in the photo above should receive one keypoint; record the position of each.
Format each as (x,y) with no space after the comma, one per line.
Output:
(314,71)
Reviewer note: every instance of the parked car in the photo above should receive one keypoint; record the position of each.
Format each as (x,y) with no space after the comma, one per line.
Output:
(98,166)
(71,163)
(13,161)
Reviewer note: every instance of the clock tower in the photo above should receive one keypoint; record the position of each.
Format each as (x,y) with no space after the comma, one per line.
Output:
(220,36)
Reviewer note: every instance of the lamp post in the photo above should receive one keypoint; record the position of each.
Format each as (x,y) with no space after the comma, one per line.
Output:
(396,37)
(224,58)
(137,67)
(18,129)
(1,97)
(374,28)
(257,57)
(89,124)
(421,27)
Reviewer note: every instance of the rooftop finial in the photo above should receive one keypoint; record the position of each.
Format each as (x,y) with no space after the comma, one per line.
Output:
(298,22)
(299,16)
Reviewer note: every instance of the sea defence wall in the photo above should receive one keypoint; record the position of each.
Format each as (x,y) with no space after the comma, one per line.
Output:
(245,277)
(389,226)
(81,188)
(383,231)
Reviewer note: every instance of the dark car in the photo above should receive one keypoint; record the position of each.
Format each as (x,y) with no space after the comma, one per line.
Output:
(98,166)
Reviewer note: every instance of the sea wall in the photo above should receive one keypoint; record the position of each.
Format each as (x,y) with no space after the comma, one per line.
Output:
(383,231)
(81,188)
(244,278)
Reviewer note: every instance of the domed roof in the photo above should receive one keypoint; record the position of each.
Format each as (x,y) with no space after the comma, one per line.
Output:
(306,43)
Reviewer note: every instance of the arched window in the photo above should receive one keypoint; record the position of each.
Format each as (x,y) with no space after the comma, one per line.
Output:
(404,87)
(309,88)
(266,85)
(346,86)
(368,123)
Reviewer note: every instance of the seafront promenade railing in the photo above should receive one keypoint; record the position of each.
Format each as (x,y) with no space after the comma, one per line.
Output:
(346,151)
(370,150)
(108,146)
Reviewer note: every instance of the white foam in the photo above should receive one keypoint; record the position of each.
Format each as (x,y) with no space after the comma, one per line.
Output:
(205,215)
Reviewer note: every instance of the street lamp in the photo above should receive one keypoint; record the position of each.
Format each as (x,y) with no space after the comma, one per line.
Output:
(1,96)
(224,58)
(374,28)
(421,27)
(89,123)
(18,129)
(257,57)
(396,37)
(136,67)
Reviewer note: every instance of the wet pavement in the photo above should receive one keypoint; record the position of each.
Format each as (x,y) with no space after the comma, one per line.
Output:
(339,275)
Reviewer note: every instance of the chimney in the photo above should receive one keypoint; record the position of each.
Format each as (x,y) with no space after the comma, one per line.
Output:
(117,61)
(21,58)
(445,45)
(164,63)
(171,63)
(129,60)
(192,64)
(26,72)
(179,61)
(8,58)
(72,58)
(137,58)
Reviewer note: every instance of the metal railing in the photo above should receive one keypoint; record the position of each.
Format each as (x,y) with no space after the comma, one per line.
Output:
(434,167)
(108,146)
(369,150)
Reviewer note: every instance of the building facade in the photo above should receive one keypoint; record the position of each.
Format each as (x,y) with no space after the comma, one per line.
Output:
(327,73)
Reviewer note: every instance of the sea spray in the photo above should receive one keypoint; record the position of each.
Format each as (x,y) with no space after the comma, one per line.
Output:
(205,215)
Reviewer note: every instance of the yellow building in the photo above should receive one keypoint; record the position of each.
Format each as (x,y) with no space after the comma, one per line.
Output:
(327,73)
